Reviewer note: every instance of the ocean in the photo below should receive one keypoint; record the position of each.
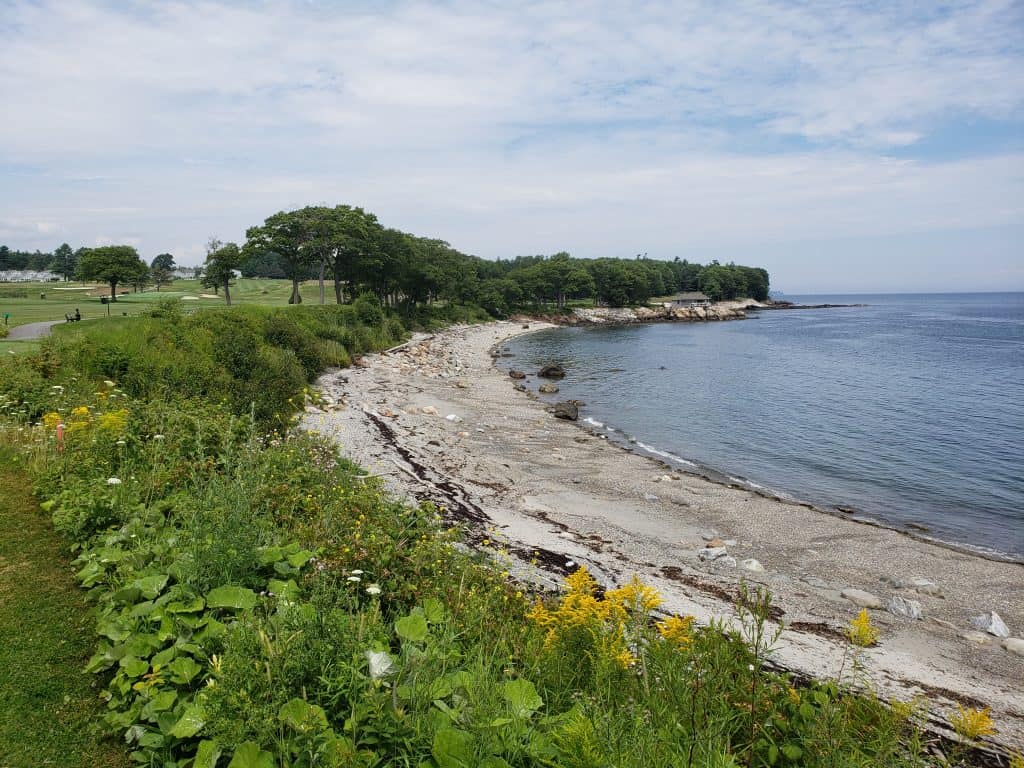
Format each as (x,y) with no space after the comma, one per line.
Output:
(908,411)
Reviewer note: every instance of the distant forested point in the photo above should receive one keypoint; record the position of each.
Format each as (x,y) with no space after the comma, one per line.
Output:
(349,250)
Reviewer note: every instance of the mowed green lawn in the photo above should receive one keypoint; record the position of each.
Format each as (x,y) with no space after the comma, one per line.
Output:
(30,307)
(49,708)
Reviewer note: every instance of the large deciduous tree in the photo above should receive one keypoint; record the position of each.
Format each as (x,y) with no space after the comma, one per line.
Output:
(222,259)
(161,269)
(285,234)
(111,264)
(64,261)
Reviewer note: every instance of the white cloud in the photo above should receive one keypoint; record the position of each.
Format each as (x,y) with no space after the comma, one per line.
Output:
(511,127)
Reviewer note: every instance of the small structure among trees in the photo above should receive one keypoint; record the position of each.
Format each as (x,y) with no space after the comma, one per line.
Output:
(690,299)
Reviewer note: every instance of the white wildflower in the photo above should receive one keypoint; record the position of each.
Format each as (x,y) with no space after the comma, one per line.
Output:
(121,442)
(380,664)
(158,437)
(354,579)
(109,383)
(113,481)
(373,589)
(356,572)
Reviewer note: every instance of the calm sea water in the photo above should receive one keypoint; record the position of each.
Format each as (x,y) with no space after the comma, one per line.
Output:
(909,410)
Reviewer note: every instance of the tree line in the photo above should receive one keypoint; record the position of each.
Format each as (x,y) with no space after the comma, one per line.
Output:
(349,253)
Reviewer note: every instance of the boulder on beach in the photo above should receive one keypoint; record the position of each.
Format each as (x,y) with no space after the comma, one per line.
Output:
(516,374)
(861,599)
(567,411)
(908,609)
(548,389)
(552,371)
(992,623)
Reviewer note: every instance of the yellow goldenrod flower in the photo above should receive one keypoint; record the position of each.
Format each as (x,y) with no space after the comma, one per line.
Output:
(794,695)
(113,421)
(677,629)
(51,420)
(970,723)
(80,412)
(862,631)
(626,658)
(635,596)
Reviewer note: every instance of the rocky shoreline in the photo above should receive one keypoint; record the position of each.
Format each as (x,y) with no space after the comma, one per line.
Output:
(698,313)
(436,419)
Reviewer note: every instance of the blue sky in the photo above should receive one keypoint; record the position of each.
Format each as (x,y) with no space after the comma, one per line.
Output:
(846,147)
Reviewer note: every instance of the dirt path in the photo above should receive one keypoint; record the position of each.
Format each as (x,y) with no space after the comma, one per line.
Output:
(30,331)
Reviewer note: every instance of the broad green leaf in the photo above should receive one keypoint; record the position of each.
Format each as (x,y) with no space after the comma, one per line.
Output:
(163,701)
(163,658)
(269,555)
(190,723)
(183,670)
(412,628)
(249,755)
(237,598)
(433,610)
(90,574)
(207,754)
(288,590)
(792,751)
(134,667)
(194,605)
(300,558)
(522,697)
(303,716)
(151,586)
(454,749)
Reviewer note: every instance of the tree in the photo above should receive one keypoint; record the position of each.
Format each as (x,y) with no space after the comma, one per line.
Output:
(222,259)
(111,264)
(161,269)
(285,233)
(64,261)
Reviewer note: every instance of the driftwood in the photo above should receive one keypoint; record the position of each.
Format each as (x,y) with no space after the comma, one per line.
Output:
(406,344)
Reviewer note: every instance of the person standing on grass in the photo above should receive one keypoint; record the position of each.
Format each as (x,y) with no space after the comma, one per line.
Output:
(78,315)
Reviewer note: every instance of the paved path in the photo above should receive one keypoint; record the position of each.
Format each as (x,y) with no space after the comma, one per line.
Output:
(32,330)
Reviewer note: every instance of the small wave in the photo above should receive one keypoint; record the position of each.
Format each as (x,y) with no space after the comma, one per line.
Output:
(593,422)
(665,455)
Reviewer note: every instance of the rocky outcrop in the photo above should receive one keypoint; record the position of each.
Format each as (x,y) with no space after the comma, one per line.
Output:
(547,389)
(629,316)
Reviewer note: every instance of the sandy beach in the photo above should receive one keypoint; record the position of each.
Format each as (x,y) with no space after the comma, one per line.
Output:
(440,422)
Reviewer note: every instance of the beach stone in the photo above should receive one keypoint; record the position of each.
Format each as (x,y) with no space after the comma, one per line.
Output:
(992,623)
(552,371)
(926,587)
(650,497)
(429,410)
(567,411)
(715,543)
(814,581)
(519,387)
(709,535)
(861,598)
(892,581)
(730,542)
(908,609)
(548,389)
(750,564)
(516,374)
(728,560)
(1014,645)
(978,638)
(712,553)
(453,418)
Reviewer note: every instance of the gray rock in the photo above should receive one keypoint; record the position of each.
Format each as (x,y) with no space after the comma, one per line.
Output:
(516,374)
(926,587)
(567,411)
(1014,645)
(650,497)
(814,581)
(908,609)
(552,371)
(712,553)
(750,564)
(709,535)
(892,581)
(730,542)
(548,389)
(991,622)
(728,560)
(861,598)
(518,387)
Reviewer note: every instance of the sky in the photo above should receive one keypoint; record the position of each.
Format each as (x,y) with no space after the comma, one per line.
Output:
(845,146)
